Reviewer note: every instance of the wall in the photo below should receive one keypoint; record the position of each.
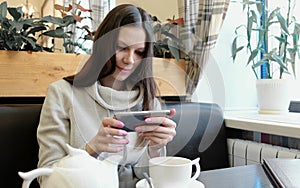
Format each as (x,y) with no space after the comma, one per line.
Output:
(37,4)
(163,9)
(232,86)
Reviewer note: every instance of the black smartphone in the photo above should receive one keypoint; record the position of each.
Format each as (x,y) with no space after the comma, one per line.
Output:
(136,118)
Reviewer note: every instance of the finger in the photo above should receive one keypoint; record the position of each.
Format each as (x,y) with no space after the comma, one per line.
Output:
(157,135)
(173,112)
(147,128)
(157,128)
(162,133)
(115,132)
(161,121)
(113,149)
(156,141)
(113,140)
(111,122)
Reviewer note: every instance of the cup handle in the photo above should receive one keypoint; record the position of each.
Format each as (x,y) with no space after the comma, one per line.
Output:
(196,163)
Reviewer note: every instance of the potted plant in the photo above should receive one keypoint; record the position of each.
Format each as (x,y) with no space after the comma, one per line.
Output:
(69,26)
(167,42)
(27,67)
(19,33)
(276,60)
(169,57)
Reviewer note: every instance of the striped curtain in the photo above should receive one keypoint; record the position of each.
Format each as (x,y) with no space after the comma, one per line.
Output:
(100,8)
(203,20)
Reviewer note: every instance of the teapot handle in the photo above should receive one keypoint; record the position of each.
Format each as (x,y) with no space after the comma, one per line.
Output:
(31,175)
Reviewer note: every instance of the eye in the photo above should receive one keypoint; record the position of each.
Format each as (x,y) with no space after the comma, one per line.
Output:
(140,53)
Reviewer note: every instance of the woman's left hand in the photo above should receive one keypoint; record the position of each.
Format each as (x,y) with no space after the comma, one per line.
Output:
(158,135)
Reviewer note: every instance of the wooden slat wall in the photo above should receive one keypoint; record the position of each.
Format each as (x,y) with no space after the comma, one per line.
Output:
(24,74)
(170,76)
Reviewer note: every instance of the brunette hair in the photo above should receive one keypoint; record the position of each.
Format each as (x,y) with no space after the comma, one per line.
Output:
(102,62)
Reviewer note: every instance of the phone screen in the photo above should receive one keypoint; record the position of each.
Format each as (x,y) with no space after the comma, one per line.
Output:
(136,118)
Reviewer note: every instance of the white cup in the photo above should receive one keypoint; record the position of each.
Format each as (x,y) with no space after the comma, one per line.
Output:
(167,172)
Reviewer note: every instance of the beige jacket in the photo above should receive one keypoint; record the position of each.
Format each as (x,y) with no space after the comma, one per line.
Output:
(73,115)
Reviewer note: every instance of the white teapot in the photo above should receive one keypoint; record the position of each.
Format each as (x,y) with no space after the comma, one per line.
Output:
(77,170)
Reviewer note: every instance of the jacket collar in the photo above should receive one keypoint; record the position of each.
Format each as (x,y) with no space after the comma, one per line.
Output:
(113,99)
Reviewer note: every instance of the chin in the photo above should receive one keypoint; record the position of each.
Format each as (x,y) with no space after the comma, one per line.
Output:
(120,78)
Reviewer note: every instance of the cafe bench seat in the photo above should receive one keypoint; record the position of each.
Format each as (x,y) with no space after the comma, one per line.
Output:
(200,133)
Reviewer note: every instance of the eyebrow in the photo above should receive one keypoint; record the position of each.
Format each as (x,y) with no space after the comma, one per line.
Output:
(125,44)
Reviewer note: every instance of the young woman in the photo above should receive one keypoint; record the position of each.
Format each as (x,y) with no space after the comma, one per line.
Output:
(78,110)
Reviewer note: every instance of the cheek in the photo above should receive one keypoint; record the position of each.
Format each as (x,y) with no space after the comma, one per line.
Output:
(118,56)
(137,63)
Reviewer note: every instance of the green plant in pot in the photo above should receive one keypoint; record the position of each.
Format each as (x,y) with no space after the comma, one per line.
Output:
(19,33)
(167,42)
(256,36)
(66,27)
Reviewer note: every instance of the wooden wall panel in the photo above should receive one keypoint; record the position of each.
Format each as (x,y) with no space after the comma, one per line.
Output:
(25,74)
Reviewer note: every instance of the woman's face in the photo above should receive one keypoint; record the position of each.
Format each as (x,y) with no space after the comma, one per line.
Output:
(130,50)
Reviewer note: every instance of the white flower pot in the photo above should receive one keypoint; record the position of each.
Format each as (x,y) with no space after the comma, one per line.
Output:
(273,95)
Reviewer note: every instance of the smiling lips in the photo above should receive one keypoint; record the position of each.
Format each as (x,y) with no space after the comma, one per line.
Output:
(123,69)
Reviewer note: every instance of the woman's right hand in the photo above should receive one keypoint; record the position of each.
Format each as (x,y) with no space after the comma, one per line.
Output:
(110,138)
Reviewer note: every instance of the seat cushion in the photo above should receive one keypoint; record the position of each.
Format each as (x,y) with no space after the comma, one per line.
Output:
(200,133)
(18,142)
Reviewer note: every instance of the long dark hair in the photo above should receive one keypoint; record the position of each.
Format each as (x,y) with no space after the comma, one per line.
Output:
(102,62)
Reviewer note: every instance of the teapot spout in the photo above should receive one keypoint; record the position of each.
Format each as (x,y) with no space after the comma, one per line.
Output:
(31,175)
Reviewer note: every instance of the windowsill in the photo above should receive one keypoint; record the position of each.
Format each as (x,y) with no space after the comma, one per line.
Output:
(280,124)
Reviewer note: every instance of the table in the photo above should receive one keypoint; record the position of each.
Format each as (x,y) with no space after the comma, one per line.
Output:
(250,176)
(277,124)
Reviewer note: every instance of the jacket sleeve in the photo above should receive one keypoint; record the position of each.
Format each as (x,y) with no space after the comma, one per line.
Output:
(53,130)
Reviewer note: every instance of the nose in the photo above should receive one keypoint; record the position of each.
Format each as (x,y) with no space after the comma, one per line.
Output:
(129,57)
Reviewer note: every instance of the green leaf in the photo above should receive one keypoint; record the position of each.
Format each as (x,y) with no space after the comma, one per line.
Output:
(15,25)
(3,9)
(292,52)
(260,63)
(53,19)
(174,49)
(281,39)
(253,54)
(278,59)
(30,41)
(36,29)
(16,13)
(68,20)
(295,45)
(88,37)
(234,49)
(58,33)
(297,28)
(253,16)
(259,7)
(272,15)
(244,5)
(156,28)
(283,23)
(83,27)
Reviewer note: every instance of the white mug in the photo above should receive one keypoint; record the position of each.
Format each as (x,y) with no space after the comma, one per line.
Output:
(167,172)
